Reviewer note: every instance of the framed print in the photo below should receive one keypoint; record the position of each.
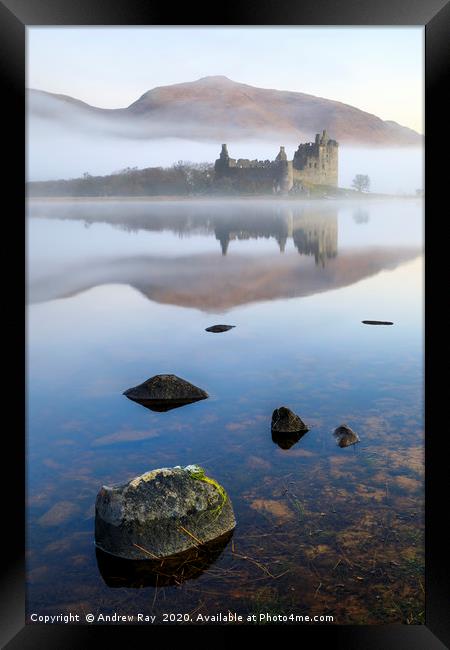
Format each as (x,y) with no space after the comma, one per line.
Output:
(233,327)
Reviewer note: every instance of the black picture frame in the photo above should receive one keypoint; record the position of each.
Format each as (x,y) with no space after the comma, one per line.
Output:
(15,16)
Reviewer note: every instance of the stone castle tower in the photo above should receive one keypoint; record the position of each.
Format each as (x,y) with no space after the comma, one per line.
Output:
(317,162)
(314,163)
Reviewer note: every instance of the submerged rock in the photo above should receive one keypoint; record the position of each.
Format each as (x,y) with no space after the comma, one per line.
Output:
(286,421)
(377,322)
(59,514)
(162,513)
(173,570)
(345,436)
(219,328)
(165,392)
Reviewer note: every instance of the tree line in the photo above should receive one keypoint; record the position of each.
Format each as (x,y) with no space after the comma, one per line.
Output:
(182,178)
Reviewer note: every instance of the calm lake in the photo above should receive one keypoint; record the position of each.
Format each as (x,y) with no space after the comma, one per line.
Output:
(119,291)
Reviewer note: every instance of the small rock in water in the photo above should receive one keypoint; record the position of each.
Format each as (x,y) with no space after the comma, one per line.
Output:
(165,392)
(286,421)
(219,328)
(377,322)
(162,513)
(345,436)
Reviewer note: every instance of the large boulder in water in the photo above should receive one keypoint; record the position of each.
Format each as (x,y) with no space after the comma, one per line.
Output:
(162,513)
(345,436)
(165,392)
(286,421)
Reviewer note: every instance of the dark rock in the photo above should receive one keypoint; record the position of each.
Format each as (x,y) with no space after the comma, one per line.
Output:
(176,569)
(377,322)
(161,513)
(219,328)
(287,440)
(345,436)
(165,392)
(286,421)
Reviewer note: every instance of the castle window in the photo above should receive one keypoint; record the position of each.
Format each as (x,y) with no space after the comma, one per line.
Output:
(315,164)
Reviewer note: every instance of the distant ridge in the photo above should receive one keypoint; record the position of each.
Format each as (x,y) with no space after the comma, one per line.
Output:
(218,109)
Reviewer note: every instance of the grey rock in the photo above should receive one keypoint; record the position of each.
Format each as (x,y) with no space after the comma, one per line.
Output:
(161,513)
(219,328)
(165,392)
(377,322)
(286,421)
(345,436)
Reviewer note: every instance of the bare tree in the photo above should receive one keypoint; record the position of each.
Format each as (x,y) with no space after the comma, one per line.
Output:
(361,182)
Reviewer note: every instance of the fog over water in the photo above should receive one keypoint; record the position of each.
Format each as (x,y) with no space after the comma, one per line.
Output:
(55,152)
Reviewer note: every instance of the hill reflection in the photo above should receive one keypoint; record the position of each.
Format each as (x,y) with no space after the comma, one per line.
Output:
(216,282)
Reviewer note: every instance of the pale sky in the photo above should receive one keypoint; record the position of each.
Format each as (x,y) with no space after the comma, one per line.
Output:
(377,69)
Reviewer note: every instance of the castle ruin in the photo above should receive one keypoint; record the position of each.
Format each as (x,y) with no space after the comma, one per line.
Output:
(314,163)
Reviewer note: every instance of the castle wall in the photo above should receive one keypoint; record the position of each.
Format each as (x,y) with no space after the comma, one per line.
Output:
(313,163)
(253,178)
(254,175)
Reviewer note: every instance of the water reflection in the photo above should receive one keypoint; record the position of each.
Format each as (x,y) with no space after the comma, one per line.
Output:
(361,216)
(163,406)
(287,440)
(209,282)
(117,572)
(313,232)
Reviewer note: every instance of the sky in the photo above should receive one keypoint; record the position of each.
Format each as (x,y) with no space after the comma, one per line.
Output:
(376,69)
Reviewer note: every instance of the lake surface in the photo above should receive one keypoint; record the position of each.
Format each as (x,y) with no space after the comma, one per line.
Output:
(119,291)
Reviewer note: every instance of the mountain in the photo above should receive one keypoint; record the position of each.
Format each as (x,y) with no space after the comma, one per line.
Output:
(218,109)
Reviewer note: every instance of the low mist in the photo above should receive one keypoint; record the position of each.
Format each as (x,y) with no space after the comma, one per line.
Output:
(55,152)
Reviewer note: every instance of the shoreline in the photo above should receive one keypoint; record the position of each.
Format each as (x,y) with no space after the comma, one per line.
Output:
(261,197)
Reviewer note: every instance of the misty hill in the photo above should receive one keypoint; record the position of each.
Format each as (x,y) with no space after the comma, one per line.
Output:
(221,110)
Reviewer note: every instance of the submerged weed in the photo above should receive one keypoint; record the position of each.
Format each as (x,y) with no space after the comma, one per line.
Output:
(297,505)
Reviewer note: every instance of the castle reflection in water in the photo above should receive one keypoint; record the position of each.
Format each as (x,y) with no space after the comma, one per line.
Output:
(314,232)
